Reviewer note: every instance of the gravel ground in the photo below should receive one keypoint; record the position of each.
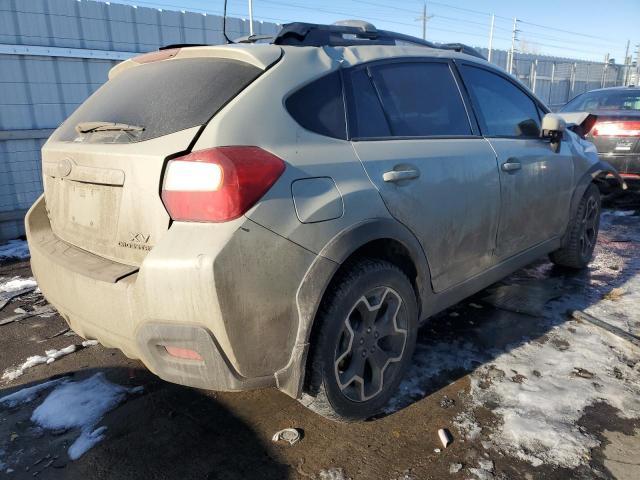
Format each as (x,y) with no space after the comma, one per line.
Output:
(525,391)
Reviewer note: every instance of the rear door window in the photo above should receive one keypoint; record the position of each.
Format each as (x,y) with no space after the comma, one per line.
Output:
(366,117)
(503,109)
(162,97)
(319,106)
(421,99)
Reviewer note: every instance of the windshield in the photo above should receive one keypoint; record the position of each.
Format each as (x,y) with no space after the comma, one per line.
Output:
(604,100)
(156,99)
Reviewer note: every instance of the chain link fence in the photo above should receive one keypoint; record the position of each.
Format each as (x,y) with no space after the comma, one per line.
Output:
(558,80)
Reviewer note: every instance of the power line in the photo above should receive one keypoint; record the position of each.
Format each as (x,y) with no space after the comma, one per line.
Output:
(463,9)
(565,31)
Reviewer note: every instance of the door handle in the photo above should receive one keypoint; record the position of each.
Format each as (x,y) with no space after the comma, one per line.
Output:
(511,165)
(399,175)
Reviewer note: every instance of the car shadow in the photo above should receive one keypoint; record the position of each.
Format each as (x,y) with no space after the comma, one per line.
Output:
(165,432)
(473,333)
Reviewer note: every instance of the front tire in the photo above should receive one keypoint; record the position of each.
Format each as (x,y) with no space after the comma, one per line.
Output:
(363,345)
(582,233)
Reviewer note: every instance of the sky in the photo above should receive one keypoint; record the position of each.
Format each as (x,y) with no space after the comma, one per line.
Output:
(587,29)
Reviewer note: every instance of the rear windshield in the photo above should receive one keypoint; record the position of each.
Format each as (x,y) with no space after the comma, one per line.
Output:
(613,100)
(157,99)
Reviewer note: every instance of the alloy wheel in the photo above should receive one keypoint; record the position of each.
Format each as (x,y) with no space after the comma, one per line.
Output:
(372,340)
(589,227)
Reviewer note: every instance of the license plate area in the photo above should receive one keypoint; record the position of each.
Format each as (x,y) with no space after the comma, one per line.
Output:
(89,214)
(624,146)
(85,204)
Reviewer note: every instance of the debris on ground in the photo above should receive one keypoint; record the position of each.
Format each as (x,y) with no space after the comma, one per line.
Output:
(447,402)
(486,465)
(607,326)
(14,250)
(49,356)
(64,331)
(288,435)
(445,437)
(333,474)
(37,312)
(614,294)
(455,467)
(481,474)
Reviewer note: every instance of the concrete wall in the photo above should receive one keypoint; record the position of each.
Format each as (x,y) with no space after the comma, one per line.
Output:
(53,55)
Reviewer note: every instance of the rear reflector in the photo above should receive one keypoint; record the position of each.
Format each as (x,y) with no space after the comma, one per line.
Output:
(184,353)
(218,184)
(616,129)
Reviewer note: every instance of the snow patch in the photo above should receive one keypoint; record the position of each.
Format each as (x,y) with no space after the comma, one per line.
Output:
(49,356)
(16,284)
(81,405)
(540,413)
(28,394)
(14,249)
(467,425)
(428,362)
(618,213)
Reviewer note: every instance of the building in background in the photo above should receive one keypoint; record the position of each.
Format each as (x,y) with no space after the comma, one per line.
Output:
(55,53)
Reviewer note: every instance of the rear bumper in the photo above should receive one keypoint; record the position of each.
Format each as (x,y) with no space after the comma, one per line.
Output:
(227,291)
(627,165)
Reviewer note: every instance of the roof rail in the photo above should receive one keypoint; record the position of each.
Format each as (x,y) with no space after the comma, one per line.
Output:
(354,32)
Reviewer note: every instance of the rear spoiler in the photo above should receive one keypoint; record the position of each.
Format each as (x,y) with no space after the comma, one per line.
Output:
(580,123)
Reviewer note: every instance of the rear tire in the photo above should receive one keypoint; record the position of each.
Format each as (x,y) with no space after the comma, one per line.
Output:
(363,343)
(582,233)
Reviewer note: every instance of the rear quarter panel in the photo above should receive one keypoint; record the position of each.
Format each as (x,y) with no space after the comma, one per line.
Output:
(258,117)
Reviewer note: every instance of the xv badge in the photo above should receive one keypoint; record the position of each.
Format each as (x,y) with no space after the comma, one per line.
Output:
(140,237)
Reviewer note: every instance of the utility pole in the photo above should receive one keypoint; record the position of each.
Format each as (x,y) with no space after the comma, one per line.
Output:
(637,64)
(250,17)
(603,83)
(627,64)
(514,37)
(424,18)
(493,21)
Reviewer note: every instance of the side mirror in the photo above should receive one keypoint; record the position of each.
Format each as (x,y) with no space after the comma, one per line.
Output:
(553,127)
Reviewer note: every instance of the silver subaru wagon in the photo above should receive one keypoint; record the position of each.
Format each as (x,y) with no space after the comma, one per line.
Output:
(287,213)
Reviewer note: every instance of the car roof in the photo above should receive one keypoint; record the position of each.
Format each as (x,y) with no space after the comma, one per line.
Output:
(631,88)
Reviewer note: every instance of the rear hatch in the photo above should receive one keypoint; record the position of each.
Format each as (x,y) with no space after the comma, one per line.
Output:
(102,167)
(617,133)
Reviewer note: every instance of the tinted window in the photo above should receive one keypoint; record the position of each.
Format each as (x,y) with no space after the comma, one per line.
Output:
(503,109)
(604,100)
(366,118)
(421,99)
(319,106)
(163,97)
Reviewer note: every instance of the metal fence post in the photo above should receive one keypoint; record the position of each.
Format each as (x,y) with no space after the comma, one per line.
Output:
(572,82)
(533,76)
(553,77)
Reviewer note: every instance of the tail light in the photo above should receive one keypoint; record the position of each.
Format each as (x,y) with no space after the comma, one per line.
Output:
(616,129)
(218,184)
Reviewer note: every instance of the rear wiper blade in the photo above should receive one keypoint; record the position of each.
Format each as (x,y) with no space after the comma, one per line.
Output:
(87,127)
